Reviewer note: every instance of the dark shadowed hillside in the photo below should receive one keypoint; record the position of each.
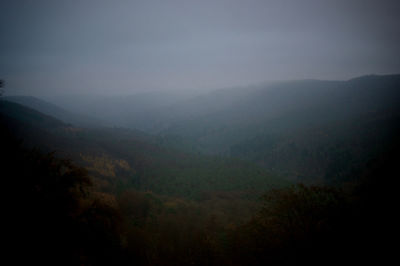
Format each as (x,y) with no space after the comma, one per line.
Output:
(55,111)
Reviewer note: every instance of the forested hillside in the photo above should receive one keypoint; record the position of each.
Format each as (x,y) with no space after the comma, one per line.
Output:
(128,158)
(309,130)
(93,215)
(126,197)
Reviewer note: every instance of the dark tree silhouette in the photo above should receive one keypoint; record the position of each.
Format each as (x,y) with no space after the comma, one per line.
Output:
(1,87)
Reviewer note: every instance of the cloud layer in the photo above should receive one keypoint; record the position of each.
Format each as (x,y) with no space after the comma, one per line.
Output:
(127,46)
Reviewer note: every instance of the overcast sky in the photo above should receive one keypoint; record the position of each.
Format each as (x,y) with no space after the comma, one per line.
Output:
(128,46)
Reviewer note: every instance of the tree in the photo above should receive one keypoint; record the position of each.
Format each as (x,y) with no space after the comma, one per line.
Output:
(1,87)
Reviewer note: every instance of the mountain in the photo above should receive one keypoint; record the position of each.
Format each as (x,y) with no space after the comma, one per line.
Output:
(303,101)
(282,107)
(29,116)
(204,187)
(304,130)
(55,111)
(133,110)
(123,158)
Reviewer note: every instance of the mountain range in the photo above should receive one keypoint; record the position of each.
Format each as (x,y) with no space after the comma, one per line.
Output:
(307,130)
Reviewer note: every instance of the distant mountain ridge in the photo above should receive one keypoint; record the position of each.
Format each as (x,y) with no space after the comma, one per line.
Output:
(55,111)
(29,115)
(161,112)
(301,129)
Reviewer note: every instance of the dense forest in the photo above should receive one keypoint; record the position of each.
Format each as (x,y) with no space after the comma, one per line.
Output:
(279,174)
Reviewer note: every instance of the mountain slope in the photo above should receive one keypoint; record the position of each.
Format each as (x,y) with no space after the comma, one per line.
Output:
(312,130)
(303,130)
(286,106)
(55,111)
(121,158)
(29,115)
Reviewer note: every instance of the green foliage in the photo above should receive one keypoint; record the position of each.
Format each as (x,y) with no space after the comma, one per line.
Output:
(145,166)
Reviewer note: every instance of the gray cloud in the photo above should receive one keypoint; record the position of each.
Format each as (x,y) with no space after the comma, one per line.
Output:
(128,46)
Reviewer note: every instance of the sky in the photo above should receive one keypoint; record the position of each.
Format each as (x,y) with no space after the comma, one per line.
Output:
(123,47)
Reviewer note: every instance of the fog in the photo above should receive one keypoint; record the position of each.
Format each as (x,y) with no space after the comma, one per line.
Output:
(126,47)
(200,132)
